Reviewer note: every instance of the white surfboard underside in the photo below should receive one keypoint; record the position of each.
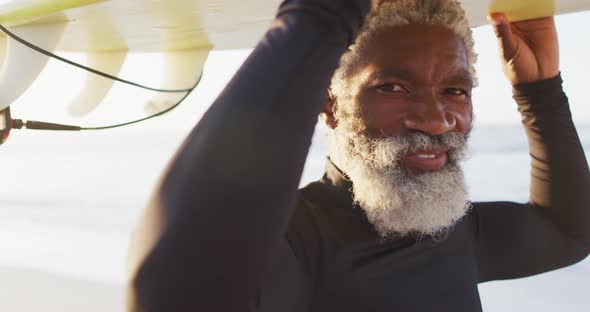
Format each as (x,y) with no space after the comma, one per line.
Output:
(108,30)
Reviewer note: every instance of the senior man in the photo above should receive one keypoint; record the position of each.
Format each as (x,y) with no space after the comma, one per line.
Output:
(389,227)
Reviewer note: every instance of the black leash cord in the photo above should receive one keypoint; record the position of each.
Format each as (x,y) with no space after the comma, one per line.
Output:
(40,125)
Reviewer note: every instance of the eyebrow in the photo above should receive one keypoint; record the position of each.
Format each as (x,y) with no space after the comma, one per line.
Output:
(390,73)
(461,76)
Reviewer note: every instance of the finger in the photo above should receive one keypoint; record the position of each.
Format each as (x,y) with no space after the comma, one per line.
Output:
(507,41)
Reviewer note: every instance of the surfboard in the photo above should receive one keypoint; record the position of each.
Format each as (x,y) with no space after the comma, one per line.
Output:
(184,31)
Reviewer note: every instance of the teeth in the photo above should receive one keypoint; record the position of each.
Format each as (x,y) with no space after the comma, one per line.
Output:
(426,156)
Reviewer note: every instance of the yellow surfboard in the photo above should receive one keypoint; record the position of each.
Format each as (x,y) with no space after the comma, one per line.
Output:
(182,30)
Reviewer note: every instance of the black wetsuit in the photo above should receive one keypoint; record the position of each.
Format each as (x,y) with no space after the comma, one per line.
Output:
(213,237)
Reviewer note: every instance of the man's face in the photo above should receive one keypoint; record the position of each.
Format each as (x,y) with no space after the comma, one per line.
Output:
(417,80)
(402,147)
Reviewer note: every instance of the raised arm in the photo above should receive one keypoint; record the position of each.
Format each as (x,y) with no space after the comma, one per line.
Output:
(553,229)
(210,231)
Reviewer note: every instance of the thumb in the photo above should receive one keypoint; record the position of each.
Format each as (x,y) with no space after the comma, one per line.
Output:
(507,41)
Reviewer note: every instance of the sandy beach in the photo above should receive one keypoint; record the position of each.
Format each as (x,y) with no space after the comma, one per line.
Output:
(23,290)
(65,221)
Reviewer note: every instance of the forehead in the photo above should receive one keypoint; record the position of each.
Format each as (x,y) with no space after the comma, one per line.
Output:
(418,49)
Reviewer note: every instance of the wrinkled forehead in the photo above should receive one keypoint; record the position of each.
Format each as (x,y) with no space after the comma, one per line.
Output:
(415,37)
(416,49)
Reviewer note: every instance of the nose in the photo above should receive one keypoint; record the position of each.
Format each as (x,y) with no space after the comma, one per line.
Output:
(430,116)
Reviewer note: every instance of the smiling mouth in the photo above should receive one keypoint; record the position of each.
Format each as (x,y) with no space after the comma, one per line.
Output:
(425,160)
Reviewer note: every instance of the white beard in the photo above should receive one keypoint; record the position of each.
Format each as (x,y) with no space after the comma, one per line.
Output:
(398,203)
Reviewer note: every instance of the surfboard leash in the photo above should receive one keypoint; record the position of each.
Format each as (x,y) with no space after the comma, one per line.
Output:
(40,125)
(86,68)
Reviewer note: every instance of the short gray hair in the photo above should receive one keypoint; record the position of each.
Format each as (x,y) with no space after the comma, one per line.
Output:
(389,14)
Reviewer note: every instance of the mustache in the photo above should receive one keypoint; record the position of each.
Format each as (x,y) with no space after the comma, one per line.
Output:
(393,148)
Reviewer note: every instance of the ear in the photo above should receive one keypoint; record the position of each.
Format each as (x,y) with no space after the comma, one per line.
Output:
(327,113)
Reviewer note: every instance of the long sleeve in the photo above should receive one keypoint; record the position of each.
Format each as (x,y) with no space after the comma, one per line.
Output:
(553,229)
(224,204)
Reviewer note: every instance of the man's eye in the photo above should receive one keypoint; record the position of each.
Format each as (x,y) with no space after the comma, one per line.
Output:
(391,88)
(456,92)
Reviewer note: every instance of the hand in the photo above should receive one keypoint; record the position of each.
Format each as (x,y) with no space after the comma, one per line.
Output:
(374,3)
(528,49)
